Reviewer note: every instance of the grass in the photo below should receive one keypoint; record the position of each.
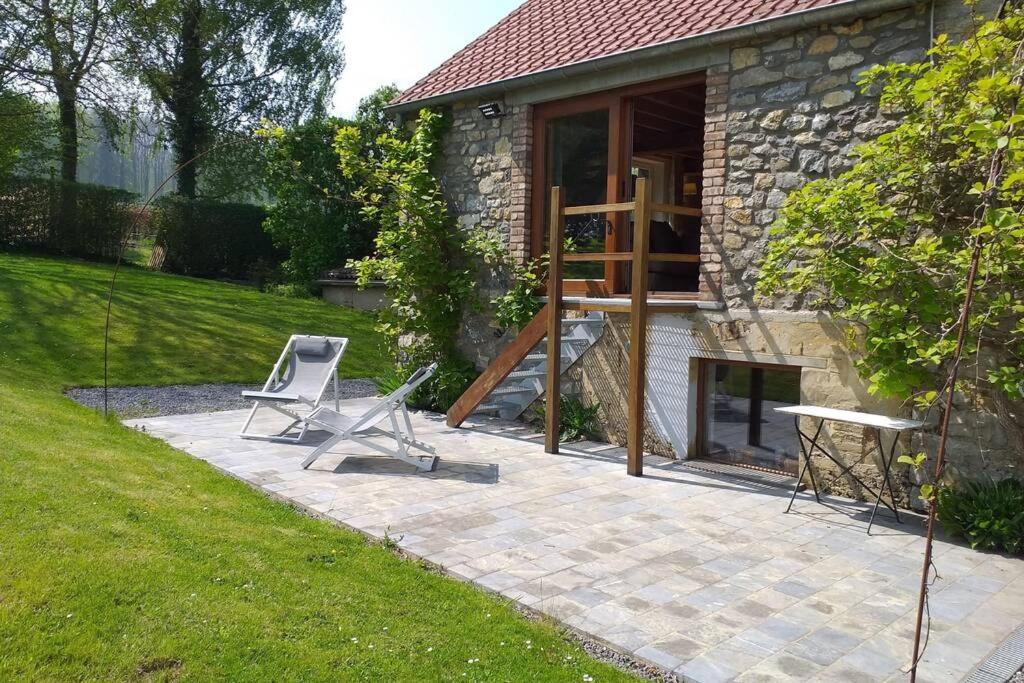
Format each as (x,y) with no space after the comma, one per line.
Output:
(122,558)
(165,329)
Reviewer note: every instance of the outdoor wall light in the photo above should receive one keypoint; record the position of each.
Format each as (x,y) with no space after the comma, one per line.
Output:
(491,110)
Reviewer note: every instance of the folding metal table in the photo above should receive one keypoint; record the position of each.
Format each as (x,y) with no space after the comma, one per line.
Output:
(809,444)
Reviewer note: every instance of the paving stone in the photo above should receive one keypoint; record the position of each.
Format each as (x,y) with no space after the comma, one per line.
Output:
(714,580)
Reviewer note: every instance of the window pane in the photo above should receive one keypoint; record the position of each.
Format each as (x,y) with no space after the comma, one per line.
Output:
(577,160)
(741,424)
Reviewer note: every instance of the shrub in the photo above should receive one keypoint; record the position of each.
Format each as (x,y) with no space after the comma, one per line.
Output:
(453,377)
(575,420)
(986,513)
(889,243)
(420,252)
(58,217)
(312,214)
(518,305)
(214,239)
(289,290)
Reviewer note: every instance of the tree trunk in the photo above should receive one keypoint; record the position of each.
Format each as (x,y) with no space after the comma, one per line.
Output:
(67,120)
(189,127)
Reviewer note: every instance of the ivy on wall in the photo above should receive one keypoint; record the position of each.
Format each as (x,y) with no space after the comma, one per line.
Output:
(888,244)
(419,252)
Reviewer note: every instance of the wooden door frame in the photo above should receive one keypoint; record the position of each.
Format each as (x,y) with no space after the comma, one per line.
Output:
(542,114)
(618,101)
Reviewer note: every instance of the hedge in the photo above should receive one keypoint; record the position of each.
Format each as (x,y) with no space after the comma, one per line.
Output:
(72,219)
(211,239)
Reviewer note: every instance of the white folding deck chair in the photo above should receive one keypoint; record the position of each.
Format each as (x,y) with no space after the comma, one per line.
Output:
(300,376)
(358,429)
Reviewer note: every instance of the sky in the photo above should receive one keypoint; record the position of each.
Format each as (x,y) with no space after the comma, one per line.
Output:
(401,41)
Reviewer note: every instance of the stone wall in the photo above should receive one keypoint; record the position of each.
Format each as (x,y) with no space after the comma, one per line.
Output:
(794,113)
(486,177)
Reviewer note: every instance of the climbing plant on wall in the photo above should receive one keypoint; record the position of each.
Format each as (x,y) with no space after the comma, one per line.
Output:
(888,244)
(419,252)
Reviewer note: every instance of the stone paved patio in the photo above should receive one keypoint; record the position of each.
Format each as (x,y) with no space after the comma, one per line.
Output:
(700,574)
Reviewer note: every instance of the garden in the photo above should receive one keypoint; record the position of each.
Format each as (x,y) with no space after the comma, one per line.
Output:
(124,558)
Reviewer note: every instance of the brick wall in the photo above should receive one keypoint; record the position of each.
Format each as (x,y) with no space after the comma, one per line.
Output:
(713,221)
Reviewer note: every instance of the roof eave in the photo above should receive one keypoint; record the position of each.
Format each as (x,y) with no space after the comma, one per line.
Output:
(756,29)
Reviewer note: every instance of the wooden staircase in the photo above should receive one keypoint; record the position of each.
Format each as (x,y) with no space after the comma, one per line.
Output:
(516,378)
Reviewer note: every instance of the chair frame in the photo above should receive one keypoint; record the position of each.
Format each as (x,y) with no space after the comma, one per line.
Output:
(365,426)
(279,404)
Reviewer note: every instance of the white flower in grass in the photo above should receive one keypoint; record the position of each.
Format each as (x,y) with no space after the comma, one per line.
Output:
(587,677)
(430,649)
(354,639)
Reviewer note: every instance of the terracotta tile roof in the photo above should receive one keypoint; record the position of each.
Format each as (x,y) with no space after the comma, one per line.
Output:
(545,34)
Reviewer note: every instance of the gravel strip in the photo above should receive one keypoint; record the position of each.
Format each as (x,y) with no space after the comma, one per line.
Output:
(184,399)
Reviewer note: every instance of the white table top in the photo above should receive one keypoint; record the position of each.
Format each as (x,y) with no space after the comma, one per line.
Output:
(853,417)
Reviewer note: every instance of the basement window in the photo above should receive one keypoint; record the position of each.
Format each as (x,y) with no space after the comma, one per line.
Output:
(739,423)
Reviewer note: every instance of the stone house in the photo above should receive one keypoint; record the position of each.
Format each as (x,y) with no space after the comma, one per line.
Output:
(724,107)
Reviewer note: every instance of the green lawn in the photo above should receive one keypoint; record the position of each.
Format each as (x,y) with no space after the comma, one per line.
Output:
(121,558)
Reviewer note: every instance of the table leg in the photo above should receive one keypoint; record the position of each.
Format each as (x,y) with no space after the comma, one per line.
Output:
(886,481)
(807,461)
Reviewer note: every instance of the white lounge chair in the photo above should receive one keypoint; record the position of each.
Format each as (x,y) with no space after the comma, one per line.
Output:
(359,429)
(300,376)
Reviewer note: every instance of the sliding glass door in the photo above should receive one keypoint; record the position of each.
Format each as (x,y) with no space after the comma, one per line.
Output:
(578,146)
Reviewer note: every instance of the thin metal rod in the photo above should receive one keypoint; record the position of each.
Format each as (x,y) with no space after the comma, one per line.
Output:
(120,256)
(940,456)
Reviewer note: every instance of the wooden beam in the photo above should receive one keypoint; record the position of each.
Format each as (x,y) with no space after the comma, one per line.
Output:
(676,209)
(674,258)
(554,361)
(597,208)
(625,307)
(673,122)
(598,256)
(684,109)
(628,256)
(638,331)
(499,368)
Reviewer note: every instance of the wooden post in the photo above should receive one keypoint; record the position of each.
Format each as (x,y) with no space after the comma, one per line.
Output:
(638,329)
(554,379)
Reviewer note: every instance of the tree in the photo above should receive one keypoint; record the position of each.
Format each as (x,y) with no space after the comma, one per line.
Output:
(23,145)
(61,46)
(313,214)
(888,244)
(215,68)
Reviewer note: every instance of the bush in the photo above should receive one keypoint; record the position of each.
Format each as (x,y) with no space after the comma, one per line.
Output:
(214,239)
(313,215)
(576,420)
(440,392)
(72,219)
(986,513)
